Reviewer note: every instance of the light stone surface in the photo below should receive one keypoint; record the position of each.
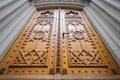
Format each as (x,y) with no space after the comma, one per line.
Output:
(105,17)
(75,4)
(14,15)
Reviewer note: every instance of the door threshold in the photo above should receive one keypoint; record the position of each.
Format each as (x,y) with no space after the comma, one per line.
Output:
(56,77)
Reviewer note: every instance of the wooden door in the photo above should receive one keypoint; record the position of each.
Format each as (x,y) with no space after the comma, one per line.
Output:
(59,41)
(82,51)
(35,50)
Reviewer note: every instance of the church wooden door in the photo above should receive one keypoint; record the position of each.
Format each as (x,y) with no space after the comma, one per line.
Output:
(59,41)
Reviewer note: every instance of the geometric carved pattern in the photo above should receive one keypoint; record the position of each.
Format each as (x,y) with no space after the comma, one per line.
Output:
(31,55)
(38,35)
(84,52)
(34,57)
(32,51)
(41,50)
(78,33)
(84,58)
(19,59)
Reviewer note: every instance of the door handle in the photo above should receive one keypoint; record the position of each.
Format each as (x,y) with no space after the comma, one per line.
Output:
(64,34)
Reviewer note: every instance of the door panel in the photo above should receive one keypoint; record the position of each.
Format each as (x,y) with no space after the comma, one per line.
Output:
(59,41)
(33,52)
(82,51)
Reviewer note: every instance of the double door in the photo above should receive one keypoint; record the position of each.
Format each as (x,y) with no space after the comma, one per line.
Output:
(59,41)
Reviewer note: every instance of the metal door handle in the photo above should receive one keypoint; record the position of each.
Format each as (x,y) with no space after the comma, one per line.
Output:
(64,34)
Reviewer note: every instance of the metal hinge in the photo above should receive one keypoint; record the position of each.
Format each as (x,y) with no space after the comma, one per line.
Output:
(2,70)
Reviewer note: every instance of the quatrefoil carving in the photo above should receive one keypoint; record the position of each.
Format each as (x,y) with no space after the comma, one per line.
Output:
(38,35)
(79,35)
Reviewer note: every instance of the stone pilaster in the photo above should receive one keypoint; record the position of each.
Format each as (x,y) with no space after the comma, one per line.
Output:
(105,17)
(14,15)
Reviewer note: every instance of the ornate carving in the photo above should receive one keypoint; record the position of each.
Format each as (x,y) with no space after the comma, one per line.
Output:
(32,52)
(66,44)
(84,58)
(86,54)
(71,13)
(38,35)
(47,13)
(31,58)
(78,35)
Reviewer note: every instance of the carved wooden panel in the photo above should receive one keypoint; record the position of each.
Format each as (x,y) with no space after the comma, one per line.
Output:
(59,41)
(32,51)
(82,51)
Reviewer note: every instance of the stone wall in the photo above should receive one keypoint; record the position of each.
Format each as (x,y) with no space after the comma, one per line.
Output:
(105,17)
(14,15)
